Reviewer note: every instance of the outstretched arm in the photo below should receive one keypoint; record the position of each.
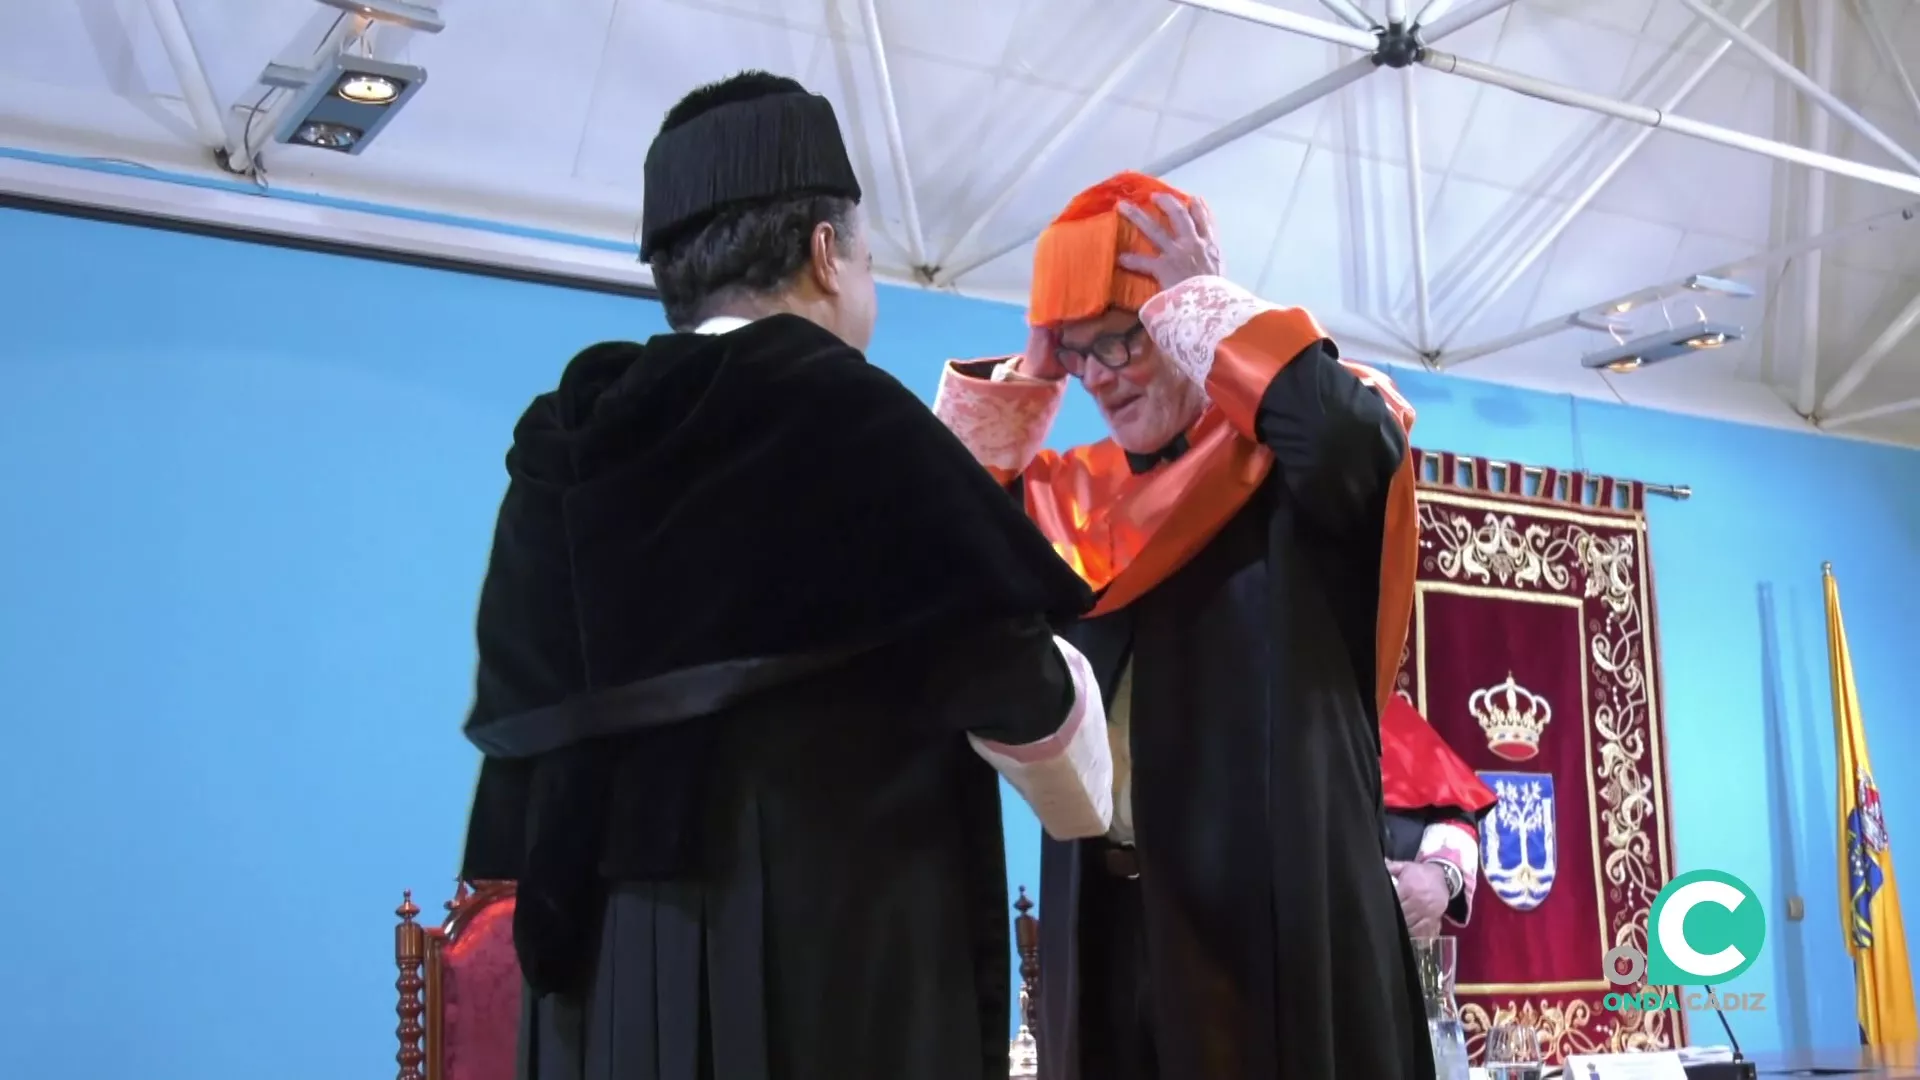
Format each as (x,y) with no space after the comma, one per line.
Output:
(1031,708)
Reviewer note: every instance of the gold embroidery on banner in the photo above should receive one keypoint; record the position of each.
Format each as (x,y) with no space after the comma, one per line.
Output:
(1479,541)
(1569,1027)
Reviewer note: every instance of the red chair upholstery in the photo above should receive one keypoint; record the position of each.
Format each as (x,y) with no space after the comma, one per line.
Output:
(459,988)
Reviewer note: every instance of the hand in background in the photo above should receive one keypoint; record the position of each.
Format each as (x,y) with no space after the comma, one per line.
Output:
(1423,895)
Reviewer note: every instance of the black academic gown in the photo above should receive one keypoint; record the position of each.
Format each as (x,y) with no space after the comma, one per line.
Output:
(1269,942)
(747,597)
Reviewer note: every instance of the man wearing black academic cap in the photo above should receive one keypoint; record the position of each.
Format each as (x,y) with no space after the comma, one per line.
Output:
(754,628)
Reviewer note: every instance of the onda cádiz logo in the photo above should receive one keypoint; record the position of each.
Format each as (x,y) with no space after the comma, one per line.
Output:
(1705,927)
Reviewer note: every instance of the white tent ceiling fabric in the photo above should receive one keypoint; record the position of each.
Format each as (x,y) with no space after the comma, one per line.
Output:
(1428,214)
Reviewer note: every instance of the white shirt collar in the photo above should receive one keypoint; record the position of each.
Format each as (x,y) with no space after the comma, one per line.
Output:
(721,324)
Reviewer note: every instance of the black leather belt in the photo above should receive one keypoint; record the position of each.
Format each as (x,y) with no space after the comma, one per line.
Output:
(1121,862)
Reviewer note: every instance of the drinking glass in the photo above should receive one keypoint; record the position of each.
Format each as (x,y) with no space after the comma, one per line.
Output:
(1513,1052)
(1435,958)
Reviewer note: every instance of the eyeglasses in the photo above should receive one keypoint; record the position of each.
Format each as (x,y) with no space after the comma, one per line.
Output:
(1111,351)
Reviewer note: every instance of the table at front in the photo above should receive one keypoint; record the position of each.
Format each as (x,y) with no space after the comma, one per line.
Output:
(1897,1063)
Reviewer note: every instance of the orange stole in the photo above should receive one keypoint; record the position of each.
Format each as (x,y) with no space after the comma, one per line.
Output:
(1125,534)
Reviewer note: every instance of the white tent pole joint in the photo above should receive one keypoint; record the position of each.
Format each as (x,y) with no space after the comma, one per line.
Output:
(896,137)
(195,87)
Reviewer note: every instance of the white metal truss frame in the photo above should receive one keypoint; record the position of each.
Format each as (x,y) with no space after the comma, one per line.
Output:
(1406,40)
(1368,40)
(196,88)
(896,141)
(1571,211)
(1900,217)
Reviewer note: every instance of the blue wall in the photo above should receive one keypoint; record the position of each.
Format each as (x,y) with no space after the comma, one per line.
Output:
(247,495)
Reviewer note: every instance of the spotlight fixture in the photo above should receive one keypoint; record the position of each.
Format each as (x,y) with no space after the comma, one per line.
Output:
(1608,314)
(344,103)
(1662,345)
(368,89)
(399,12)
(1723,286)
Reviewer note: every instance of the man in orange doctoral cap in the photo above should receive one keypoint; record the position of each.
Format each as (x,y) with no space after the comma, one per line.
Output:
(1248,527)
(1434,806)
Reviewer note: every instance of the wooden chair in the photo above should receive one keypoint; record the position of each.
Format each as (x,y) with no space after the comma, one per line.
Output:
(459,987)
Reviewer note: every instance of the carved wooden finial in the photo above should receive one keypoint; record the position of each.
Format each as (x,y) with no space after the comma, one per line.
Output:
(409,955)
(1026,937)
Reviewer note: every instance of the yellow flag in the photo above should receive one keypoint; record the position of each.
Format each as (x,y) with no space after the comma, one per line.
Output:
(1869,897)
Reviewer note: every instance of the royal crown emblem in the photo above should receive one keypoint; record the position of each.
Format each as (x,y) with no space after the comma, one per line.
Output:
(1513,718)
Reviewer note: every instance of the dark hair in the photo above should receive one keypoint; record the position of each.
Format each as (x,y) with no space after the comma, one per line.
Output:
(744,250)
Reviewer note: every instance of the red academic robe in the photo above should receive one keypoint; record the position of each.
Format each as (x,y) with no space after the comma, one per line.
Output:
(1260,586)
(1434,801)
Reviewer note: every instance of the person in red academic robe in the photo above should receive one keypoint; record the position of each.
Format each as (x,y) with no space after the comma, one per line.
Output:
(1434,806)
(1249,528)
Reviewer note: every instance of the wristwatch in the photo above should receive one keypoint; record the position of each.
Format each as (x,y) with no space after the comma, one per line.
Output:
(1456,881)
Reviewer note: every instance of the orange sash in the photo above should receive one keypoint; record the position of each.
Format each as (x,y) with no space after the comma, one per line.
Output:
(1126,533)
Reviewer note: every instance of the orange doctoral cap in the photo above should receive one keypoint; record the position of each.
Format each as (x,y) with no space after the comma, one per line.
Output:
(1076,270)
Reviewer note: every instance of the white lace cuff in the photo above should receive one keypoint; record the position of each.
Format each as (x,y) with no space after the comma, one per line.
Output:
(1067,777)
(1189,321)
(1003,420)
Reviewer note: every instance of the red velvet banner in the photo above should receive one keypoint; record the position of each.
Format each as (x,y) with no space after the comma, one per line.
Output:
(1534,654)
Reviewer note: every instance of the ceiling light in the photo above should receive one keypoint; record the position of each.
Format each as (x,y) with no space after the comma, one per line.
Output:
(1662,345)
(344,103)
(368,89)
(1723,286)
(328,136)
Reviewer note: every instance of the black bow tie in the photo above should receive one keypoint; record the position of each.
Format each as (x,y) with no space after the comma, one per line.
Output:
(1140,463)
